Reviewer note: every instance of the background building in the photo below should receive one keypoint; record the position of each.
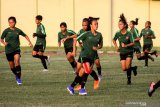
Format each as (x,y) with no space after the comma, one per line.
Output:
(73,11)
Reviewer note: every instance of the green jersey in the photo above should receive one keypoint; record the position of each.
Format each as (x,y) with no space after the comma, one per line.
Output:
(135,34)
(89,41)
(126,39)
(12,38)
(81,31)
(41,35)
(69,42)
(147,32)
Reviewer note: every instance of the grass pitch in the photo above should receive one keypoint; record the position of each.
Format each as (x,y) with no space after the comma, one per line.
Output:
(48,89)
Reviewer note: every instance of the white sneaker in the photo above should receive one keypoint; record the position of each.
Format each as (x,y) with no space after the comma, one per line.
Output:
(45,70)
(100,77)
(74,70)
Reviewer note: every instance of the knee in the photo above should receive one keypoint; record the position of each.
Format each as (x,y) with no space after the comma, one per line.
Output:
(34,53)
(98,64)
(69,58)
(40,53)
(81,73)
(17,62)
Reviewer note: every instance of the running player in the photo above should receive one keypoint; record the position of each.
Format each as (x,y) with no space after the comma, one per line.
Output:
(40,46)
(148,35)
(86,27)
(134,31)
(97,61)
(153,87)
(90,40)
(126,43)
(137,44)
(66,36)
(10,39)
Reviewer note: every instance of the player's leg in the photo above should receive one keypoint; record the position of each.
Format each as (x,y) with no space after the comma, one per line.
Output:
(147,49)
(138,54)
(38,51)
(78,78)
(153,52)
(43,60)
(96,79)
(13,68)
(88,69)
(80,72)
(72,61)
(10,58)
(99,69)
(123,62)
(129,69)
(146,55)
(125,66)
(18,68)
(35,51)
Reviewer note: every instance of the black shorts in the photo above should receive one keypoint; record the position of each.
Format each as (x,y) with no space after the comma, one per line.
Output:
(125,56)
(97,56)
(137,50)
(10,57)
(39,48)
(147,47)
(68,50)
(84,59)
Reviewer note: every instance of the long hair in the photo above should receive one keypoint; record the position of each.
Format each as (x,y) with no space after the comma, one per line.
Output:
(91,19)
(123,20)
(135,22)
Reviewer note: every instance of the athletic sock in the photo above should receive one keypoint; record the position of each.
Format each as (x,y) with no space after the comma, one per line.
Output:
(94,75)
(146,59)
(18,70)
(36,56)
(45,57)
(142,58)
(133,68)
(84,80)
(14,71)
(153,53)
(76,81)
(73,64)
(99,70)
(150,57)
(43,62)
(129,74)
(156,85)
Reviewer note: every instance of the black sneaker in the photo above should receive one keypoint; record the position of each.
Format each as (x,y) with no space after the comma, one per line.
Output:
(155,53)
(128,82)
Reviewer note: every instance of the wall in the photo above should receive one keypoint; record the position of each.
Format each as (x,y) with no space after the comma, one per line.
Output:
(73,11)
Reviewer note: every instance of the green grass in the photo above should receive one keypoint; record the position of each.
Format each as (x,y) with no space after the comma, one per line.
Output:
(48,89)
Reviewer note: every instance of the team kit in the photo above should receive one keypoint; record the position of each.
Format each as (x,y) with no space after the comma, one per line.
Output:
(90,41)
